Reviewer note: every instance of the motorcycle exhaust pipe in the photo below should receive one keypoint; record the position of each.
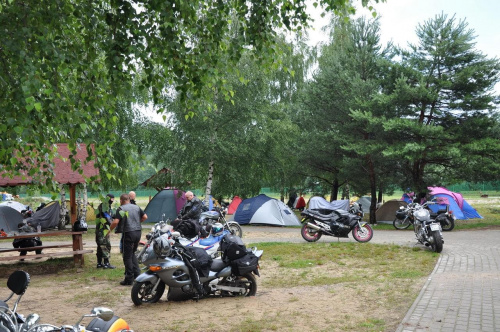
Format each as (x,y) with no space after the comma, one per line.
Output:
(316,227)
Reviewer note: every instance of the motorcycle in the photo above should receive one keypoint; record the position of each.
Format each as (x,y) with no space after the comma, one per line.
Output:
(190,273)
(104,319)
(218,215)
(427,231)
(338,223)
(404,218)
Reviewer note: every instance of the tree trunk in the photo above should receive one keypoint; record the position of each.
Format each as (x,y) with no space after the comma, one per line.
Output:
(345,191)
(335,190)
(64,210)
(373,190)
(208,190)
(379,198)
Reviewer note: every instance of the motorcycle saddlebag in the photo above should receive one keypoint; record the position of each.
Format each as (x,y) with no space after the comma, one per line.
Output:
(202,261)
(232,247)
(245,264)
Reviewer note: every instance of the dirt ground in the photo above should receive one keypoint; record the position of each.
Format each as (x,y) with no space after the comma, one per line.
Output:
(339,307)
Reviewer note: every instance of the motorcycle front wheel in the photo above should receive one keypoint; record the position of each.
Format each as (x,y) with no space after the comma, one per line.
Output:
(142,292)
(235,228)
(362,233)
(246,281)
(448,225)
(310,234)
(437,244)
(401,224)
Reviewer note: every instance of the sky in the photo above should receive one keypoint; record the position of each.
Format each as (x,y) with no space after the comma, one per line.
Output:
(400,18)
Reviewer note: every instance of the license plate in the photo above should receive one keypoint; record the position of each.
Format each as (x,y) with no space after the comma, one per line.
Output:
(434,227)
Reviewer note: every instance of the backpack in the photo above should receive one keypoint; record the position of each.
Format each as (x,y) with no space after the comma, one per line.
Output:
(232,247)
(202,261)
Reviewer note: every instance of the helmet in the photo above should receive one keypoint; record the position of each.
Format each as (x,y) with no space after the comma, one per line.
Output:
(401,214)
(217,229)
(161,246)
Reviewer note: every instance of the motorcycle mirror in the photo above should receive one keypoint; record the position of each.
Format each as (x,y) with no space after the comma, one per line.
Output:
(103,313)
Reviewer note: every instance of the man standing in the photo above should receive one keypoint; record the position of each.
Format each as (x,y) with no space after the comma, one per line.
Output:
(132,197)
(127,220)
(103,222)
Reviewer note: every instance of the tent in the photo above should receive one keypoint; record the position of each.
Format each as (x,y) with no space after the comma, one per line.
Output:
(166,202)
(461,209)
(47,217)
(318,203)
(15,205)
(387,211)
(265,210)
(231,209)
(365,202)
(9,218)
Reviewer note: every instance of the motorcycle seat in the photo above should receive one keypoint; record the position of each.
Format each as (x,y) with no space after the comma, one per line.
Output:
(217,265)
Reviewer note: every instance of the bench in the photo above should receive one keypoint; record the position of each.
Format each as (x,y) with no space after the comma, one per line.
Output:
(76,245)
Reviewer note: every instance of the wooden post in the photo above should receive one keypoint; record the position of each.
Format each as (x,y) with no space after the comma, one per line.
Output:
(72,202)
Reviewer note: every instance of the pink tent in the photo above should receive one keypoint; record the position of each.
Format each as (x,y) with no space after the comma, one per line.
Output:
(456,196)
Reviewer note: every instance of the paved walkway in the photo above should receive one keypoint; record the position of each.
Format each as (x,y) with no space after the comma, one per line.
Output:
(463,291)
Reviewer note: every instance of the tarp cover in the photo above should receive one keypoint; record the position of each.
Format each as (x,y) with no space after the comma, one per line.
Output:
(234,205)
(166,201)
(9,219)
(48,217)
(461,209)
(265,210)
(318,202)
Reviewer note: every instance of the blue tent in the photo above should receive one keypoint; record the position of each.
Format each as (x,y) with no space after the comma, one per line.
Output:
(461,209)
(265,210)
(166,204)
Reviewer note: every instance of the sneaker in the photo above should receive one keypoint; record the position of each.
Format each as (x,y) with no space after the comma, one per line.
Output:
(99,266)
(109,266)
(125,283)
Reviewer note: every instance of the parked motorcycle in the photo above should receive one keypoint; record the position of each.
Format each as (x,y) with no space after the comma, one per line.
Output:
(338,223)
(427,230)
(191,271)
(404,218)
(104,319)
(218,215)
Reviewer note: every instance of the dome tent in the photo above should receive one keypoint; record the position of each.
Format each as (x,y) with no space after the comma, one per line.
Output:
(166,202)
(264,210)
(461,209)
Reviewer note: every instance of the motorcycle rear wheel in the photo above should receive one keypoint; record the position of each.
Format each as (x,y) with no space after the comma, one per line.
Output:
(437,244)
(449,225)
(247,281)
(235,228)
(401,224)
(362,234)
(310,234)
(142,292)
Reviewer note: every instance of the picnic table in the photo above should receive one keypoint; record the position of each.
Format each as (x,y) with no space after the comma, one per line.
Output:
(76,245)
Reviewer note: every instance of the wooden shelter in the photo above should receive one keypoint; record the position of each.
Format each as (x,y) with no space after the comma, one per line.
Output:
(63,173)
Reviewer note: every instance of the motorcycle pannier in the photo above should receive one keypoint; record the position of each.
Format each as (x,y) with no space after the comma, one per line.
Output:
(202,261)
(245,264)
(232,247)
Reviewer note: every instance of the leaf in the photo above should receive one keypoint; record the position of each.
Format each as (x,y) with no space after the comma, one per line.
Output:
(38,106)
(83,126)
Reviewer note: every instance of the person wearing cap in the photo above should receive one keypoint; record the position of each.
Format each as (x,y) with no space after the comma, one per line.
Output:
(103,222)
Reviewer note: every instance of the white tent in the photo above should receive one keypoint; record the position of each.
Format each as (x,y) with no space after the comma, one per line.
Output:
(15,205)
(265,210)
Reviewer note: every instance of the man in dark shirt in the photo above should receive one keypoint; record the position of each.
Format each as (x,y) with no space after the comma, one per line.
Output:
(127,220)
(187,222)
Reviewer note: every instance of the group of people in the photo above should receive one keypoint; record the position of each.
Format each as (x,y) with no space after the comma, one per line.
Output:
(296,202)
(127,220)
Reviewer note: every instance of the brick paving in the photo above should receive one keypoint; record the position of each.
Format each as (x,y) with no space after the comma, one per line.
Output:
(463,291)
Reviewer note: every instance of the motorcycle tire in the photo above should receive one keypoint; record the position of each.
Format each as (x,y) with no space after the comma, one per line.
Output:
(362,234)
(448,225)
(437,244)
(235,229)
(309,234)
(248,279)
(401,224)
(141,292)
